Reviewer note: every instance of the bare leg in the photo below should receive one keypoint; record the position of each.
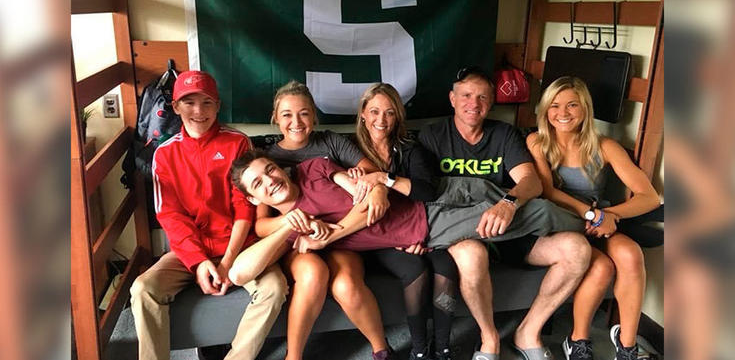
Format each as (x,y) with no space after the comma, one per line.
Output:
(630,284)
(311,276)
(590,293)
(476,288)
(568,255)
(357,301)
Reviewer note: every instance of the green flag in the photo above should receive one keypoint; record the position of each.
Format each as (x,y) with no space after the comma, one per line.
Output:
(338,48)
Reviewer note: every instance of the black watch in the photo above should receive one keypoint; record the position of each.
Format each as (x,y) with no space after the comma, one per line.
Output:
(391,180)
(511,199)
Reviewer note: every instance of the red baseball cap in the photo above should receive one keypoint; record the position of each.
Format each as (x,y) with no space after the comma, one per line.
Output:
(194,81)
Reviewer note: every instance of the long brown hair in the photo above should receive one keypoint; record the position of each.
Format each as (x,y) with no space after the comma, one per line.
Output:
(398,135)
(587,137)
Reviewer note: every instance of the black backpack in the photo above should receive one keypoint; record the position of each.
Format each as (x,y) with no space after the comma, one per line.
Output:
(156,123)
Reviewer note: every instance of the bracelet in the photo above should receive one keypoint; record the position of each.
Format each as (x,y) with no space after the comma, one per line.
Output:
(599,222)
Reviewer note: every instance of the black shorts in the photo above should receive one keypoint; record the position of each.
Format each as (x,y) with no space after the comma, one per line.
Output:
(513,252)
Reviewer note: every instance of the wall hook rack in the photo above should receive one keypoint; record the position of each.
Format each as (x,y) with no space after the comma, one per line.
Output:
(614,28)
(571,25)
(583,42)
(599,39)
(584,29)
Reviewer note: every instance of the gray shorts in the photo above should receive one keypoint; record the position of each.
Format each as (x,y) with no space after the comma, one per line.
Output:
(455,214)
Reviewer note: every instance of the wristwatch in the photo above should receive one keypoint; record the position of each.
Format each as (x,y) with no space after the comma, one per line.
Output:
(391,180)
(511,199)
(590,214)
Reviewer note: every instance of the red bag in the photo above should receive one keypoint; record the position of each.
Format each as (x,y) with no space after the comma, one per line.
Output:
(511,86)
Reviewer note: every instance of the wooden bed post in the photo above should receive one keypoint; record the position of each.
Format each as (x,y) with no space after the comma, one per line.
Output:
(83,300)
(534,39)
(651,125)
(93,328)
(124,48)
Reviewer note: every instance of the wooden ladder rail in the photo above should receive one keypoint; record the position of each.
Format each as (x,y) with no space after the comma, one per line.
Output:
(92,329)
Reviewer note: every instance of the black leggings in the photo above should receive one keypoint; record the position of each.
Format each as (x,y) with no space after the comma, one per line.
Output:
(415,273)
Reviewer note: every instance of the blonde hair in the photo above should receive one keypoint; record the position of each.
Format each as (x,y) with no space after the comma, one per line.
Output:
(397,136)
(587,138)
(293,87)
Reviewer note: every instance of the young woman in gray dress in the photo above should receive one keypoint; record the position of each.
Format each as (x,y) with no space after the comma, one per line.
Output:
(572,161)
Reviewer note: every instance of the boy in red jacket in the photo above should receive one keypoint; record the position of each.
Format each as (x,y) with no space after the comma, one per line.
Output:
(207,222)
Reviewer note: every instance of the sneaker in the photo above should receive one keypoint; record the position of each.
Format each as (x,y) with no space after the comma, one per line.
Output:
(577,350)
(622,352)
(445,354)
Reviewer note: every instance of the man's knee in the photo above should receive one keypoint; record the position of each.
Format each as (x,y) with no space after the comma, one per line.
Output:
(272,286)
(137,289)
(472,261)
(575,251)
(144,286)
(469,254)
(241,274)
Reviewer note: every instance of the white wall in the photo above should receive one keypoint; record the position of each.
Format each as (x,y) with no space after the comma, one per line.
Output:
(157,20)
(93,40)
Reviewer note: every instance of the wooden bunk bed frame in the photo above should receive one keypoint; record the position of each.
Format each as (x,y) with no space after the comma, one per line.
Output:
(92,329)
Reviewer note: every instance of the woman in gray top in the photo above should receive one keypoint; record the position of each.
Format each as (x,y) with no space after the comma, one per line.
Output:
(571,159)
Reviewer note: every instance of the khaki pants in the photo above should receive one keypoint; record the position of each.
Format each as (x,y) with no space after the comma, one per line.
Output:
(153,290)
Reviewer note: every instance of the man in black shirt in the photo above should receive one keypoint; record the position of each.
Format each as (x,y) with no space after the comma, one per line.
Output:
(468,144)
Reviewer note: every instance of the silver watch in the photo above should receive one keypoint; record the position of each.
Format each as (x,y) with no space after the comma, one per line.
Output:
(590,214)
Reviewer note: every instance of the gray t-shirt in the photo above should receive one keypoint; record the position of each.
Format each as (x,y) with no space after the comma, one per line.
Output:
(322,144)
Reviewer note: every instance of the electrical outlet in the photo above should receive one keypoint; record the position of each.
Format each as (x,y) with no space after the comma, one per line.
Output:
(110,106)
